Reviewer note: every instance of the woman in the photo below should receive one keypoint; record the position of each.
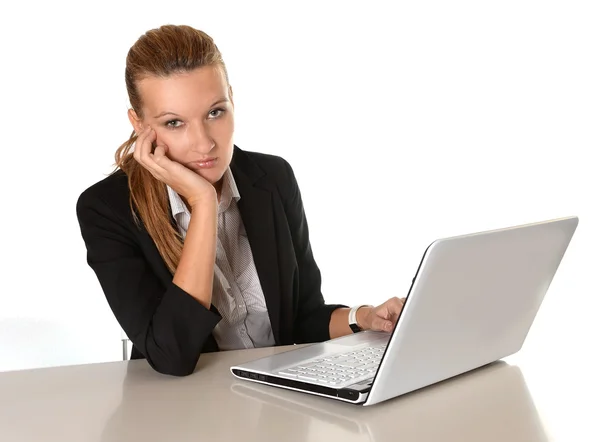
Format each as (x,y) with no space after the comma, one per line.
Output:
(198,245)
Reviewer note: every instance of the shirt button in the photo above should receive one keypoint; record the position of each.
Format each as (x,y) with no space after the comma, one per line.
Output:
(240,306)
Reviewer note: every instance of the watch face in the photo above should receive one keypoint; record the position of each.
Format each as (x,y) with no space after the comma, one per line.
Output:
(355,328)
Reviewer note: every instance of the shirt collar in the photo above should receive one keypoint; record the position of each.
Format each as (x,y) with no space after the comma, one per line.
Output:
(229,191)
(177,204)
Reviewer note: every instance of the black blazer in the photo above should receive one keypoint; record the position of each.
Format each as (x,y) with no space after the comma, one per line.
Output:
(169,327)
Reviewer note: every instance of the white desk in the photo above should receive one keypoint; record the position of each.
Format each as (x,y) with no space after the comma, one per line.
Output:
(128,401)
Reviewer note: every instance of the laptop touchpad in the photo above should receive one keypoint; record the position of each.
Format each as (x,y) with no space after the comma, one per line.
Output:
(362,338)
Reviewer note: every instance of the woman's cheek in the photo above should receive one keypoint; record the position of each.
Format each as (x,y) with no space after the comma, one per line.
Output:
(173,146)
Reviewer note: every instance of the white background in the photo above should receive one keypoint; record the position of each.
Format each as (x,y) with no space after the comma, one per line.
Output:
(403,122)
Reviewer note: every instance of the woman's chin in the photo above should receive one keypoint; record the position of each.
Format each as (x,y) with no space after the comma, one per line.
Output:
(213,176)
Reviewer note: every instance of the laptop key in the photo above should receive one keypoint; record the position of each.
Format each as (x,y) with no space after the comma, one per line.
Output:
(370,366)
(307,377)
(351,364)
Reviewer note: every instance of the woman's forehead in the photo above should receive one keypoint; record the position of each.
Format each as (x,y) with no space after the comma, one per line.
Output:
(200,87)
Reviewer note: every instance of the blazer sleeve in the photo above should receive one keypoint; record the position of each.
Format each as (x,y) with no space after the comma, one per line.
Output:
(312,320)
(166,324)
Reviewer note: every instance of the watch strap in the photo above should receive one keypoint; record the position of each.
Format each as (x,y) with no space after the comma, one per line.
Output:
(352,318)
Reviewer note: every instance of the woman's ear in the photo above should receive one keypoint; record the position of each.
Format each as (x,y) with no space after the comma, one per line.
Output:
(135,121)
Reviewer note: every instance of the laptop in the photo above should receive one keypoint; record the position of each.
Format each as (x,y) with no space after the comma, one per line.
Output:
(472,302)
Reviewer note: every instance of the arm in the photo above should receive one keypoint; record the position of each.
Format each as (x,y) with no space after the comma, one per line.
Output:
(312,323)
(340,325)
(168,325)
(195,270)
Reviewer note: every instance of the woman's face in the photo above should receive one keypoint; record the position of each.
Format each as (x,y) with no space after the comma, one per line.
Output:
(192,114)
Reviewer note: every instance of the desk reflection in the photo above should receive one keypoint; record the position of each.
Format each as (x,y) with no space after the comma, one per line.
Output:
(200,407)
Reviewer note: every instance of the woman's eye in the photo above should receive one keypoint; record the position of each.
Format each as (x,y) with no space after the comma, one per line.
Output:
(173,123)
(216,113)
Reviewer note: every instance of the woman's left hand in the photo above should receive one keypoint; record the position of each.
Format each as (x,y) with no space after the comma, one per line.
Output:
(382,317)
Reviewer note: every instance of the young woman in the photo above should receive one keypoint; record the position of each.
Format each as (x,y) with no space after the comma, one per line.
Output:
(198,245)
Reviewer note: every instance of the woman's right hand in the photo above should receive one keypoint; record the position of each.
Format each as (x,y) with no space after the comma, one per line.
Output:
(182,180)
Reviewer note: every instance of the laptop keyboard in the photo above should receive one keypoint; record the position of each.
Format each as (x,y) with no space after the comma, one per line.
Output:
(340,368)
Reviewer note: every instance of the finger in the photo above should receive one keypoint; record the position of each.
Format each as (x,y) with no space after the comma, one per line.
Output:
(395,306)
(383,312)
(147,159)
(159,153)
(381,324)
(139,142)
(163,163)
(389,307)
(142,144)
(146,147)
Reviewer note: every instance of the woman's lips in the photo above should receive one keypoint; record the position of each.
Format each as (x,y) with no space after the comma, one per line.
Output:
(204,164)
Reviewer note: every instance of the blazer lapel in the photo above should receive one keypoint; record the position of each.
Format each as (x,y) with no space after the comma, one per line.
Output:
(256,209)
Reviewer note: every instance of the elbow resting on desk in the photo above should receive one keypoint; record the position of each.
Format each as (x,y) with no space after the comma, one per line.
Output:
(173,363)
(174,369)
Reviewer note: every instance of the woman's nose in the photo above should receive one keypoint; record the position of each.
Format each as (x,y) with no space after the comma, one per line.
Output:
(200,139)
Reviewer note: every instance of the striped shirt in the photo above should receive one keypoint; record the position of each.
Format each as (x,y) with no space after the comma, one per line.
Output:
(237,293)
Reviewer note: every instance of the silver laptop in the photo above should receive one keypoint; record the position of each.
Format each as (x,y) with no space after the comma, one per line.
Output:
(472,302)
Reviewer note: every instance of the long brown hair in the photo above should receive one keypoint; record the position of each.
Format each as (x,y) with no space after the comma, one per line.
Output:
(160,52)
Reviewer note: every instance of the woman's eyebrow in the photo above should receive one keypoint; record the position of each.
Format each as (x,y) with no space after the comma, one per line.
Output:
(220,100)
(162,114)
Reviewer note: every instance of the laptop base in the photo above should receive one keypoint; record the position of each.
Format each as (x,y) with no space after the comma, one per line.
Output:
(356,393)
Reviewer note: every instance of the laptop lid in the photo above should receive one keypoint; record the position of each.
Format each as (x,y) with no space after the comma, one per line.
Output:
(472,302)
